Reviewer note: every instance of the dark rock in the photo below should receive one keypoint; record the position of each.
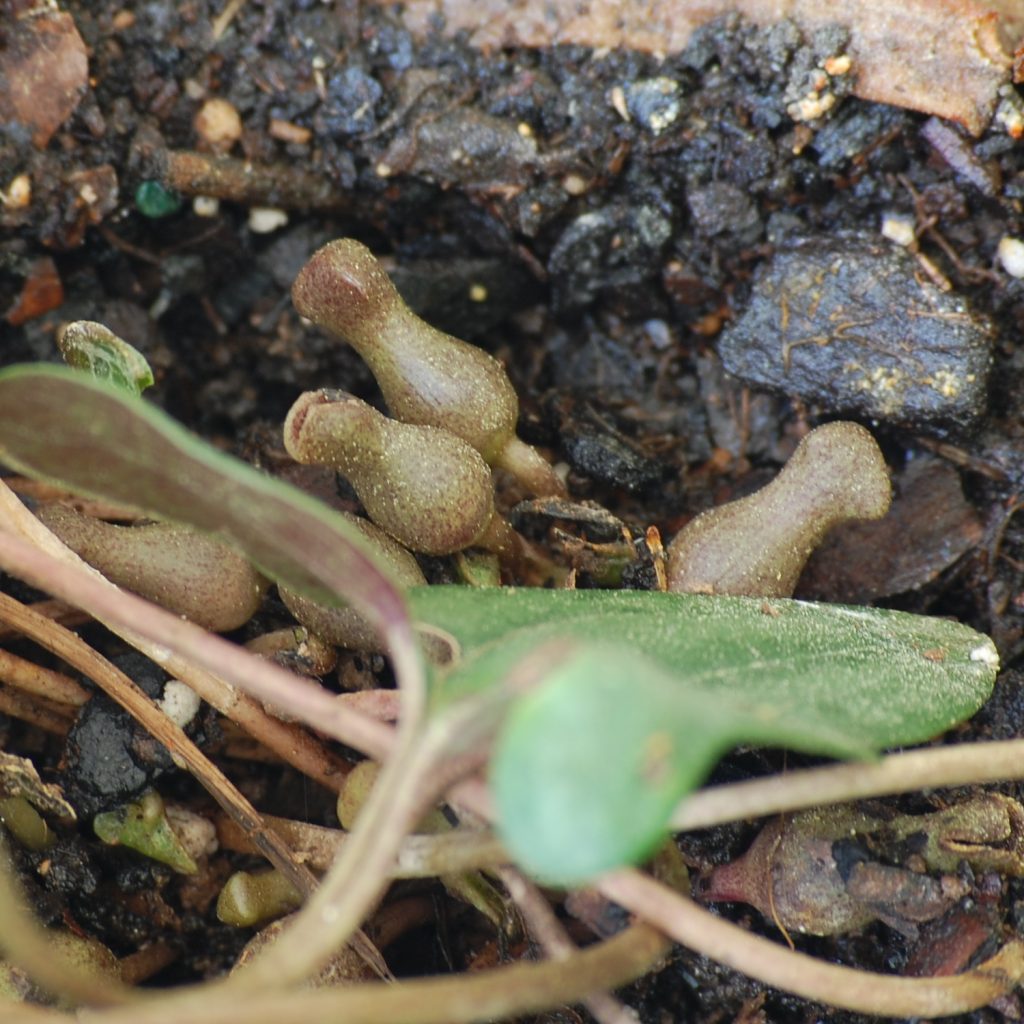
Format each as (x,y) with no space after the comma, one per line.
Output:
(654,102)
(614,247)
(352,96)
(853,325)
(721,207)
(605,456)
(109,758)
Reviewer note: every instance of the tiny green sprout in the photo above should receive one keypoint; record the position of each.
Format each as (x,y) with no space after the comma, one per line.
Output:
(427,377)
(424,486)
(89,346)
(143,826)
(757,546)
(25,823)
(250,898)
(177,567)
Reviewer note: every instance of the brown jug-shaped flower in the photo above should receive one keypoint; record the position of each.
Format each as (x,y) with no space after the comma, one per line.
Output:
(426,487)
(345,626)
(427,377)
(758,545)
(176,567)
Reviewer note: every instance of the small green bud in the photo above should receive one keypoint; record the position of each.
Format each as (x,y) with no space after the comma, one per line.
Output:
(25,823)
(250,898)
(427,377)
(154,201)
(758,545)
(426,487)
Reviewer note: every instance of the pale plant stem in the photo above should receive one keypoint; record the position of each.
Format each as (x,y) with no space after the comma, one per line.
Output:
(775,965)
(419,856)
(42,682)
(930,768)
(496,994)
(548,932)
(356,880)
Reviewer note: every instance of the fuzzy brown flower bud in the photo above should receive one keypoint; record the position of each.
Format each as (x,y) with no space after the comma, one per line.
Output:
(758,545)
(427,377)
(426,487)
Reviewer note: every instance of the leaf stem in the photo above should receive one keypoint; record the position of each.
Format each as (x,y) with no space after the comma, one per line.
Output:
(930,768)
(846,987)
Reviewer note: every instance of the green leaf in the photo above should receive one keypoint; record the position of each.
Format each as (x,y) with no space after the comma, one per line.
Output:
(592,760)
(59,424)
(91,347)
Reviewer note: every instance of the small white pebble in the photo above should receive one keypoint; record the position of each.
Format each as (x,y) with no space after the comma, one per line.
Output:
(179,702)
(264,219)
(617,98)
(839,64)
(478,293)
(196,834)
(898,229)
(1011,255)
(18,194)
(206,206)
(218,124)
(574,184)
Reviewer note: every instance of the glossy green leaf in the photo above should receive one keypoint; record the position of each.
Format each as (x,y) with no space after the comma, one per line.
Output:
(59,424)
(91,347)
(591,761)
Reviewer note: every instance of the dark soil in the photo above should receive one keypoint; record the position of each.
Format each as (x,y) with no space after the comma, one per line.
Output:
(601,256)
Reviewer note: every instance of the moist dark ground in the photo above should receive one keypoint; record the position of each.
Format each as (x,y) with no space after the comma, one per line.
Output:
(610,254)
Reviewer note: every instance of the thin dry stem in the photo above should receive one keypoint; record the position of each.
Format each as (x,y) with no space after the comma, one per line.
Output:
(43,682)
(120,688)
(850,988)
(931,768)
(36,711)
(548,932)
(419,856)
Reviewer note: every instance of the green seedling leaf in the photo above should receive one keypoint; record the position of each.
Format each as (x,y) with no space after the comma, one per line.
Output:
(592,760)
(90,346)
(58,424)
(143,826)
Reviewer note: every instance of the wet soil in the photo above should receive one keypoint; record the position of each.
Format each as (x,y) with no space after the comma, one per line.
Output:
(600,221)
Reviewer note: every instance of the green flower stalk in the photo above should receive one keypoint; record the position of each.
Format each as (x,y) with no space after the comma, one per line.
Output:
(758,545)
(427,377)
(426,487)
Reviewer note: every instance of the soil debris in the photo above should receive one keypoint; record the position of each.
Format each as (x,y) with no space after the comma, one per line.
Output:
(946,57)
